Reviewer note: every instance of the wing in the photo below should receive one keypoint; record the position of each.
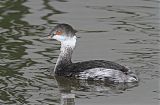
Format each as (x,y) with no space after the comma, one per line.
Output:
(82,66)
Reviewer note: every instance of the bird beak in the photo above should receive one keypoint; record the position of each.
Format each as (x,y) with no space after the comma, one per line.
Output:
(49,37)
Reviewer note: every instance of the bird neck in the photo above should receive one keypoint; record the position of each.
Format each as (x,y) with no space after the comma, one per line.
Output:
(65,55)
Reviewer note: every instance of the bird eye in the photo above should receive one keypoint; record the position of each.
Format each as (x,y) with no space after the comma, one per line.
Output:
(59,32)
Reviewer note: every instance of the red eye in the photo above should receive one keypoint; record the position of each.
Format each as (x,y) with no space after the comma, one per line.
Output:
(59,32)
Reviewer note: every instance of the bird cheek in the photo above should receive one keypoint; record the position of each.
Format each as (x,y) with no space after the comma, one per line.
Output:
(59,38)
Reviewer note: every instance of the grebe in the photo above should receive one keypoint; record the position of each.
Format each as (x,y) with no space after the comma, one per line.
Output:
(89,70)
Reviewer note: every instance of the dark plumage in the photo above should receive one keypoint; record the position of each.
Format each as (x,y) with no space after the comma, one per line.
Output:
(67,29)
(74,68)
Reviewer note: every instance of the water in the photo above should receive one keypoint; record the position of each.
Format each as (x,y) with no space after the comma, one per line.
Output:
(124,31)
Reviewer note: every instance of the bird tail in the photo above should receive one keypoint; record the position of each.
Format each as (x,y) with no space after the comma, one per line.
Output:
(132,76)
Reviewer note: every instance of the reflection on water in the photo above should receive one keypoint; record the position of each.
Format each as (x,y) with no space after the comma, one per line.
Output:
(67,99)
(67,85)
(125,31)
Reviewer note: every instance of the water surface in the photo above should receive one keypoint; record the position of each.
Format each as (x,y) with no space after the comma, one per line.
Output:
(124,31)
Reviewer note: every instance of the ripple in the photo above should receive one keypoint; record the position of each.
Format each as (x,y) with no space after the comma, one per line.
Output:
(131,31)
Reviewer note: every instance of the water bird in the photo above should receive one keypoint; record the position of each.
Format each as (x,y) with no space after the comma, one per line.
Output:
(107,71)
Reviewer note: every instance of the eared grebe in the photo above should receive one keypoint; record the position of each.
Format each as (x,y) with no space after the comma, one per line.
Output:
(89,70)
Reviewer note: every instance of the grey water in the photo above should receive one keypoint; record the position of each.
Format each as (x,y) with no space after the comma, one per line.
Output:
(123,31)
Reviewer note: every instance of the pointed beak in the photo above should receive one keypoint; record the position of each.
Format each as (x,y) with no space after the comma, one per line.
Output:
(50,37)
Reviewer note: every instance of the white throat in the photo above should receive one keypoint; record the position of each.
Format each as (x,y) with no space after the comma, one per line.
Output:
(69,42)
(65,56)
